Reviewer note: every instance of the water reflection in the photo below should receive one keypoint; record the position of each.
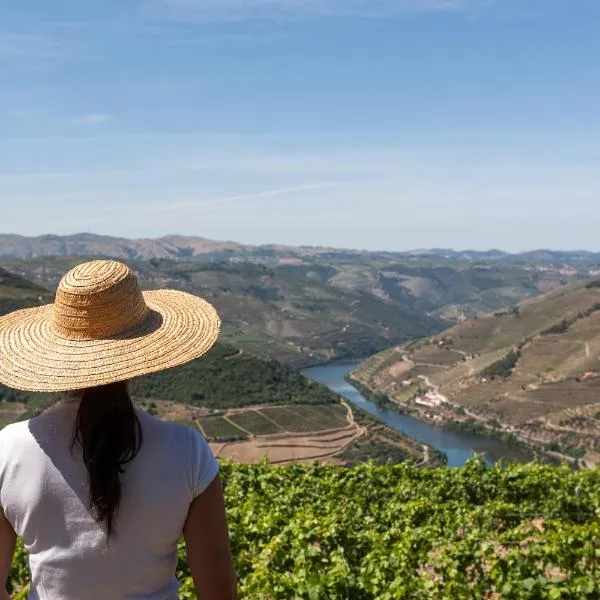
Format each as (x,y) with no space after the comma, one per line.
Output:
(458,446)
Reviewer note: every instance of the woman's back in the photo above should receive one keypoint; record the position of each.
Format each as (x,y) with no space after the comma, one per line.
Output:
(100,492)
(44,494)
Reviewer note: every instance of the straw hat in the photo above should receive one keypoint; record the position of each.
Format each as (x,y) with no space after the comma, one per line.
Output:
(101,329)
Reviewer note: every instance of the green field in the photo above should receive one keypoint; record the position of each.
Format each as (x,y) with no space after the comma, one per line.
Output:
(289,420)
(330,415)
(320,420)
(273,420)
(15,287)
(399,533)
(218,428)
(255,422)
(436,355)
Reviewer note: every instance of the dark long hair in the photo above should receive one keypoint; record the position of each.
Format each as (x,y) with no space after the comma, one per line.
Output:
(110,435)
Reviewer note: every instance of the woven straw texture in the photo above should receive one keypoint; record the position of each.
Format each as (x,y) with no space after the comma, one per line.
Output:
(101,329)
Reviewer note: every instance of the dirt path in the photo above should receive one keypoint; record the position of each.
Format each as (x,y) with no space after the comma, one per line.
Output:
(236,355)
(360,429)
(468,359)
(425,448)
(218,449)
(325,455)
(426,458)
(226,418)
(262,414)
(283,450)
(563,428)
(286,447)
(200,428)
(428,382)
(436,390)
(352,421)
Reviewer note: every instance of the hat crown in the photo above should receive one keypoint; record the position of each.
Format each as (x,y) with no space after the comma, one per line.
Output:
(98,299)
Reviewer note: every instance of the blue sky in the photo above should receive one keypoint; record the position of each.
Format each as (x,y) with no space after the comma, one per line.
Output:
(388,124)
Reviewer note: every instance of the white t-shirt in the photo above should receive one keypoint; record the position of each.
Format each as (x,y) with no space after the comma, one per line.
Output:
(44,494)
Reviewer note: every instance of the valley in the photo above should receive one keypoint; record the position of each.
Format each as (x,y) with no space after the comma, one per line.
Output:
(306,306)
(248,407)
(485,344)
(529,374)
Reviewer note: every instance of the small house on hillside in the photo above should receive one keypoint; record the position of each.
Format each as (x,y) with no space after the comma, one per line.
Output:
(424,402)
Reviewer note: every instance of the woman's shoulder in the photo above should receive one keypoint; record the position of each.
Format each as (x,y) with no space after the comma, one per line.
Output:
(15,440)
(183,444)
(153,426)
(15,431)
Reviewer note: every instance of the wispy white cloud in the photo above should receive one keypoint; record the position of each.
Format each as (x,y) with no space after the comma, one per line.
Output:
(92,119)
(319,185)
(238,10)
(315,163)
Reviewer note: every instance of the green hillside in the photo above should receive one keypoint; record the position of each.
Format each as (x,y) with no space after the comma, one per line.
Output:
(533,370)
(294,313)
(230,378)
(17,292)
(400,533)
(15,287)
(223,378)
(313,308)
(226,378)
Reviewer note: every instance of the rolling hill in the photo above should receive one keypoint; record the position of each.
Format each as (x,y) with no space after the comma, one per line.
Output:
(316,307)
(532,371)
(17,292)
(246,406)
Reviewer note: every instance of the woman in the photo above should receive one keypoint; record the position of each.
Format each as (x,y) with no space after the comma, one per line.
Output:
(99,491)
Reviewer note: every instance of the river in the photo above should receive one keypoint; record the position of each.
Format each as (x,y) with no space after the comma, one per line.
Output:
(458,446)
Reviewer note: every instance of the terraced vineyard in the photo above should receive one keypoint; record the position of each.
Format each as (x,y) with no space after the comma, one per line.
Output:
(318,532)
(532,372)
(285,433)
(219,428)
(256,422)
(242,423)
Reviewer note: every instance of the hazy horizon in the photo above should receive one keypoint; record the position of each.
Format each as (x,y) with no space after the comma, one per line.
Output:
(286,244)
(394,124)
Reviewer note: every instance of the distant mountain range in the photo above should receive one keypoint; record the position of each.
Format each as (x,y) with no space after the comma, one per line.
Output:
(179,247)
(556,257)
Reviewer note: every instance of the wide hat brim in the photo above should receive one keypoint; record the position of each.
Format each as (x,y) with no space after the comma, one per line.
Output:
(34,357)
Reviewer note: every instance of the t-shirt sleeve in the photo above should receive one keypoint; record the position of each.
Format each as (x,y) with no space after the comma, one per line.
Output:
(1,465)
(204,466)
